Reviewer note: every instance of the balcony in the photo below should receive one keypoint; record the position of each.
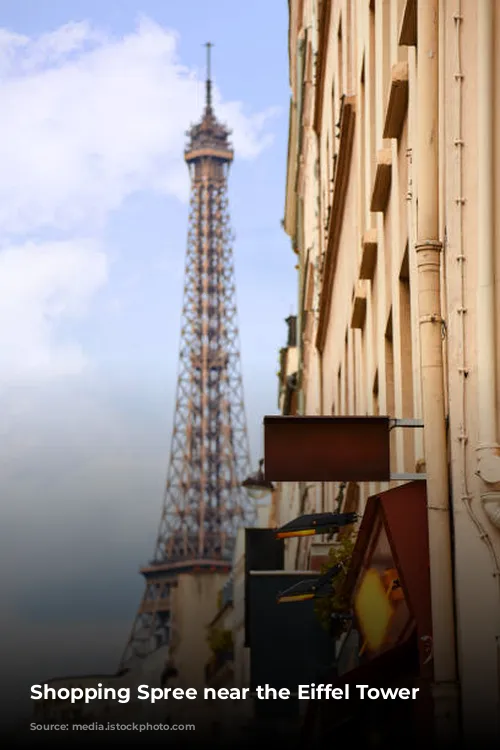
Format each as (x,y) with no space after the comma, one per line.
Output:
(382,182)
(397,104)
(369,255)
(358,314)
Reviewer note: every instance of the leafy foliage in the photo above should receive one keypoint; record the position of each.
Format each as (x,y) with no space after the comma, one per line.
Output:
(220,640)
(337,602)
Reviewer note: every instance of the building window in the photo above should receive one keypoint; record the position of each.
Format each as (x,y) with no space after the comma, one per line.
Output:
(375,395)
(371,82)
(405,331)
(358,359)
(339,391)
(388,248)
(354,371)
(389,379)
(347,376)
(363,132)
(340,60)
(401,50)
(389,367)
(383,62)
(385,9)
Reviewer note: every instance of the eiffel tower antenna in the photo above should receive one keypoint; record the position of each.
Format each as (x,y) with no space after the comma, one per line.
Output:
(208,102)
(204,503)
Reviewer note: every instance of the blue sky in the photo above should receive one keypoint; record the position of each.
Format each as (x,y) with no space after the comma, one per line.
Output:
(96,97)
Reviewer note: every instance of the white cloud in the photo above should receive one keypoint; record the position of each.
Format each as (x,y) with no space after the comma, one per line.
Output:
(40,284)
(86,121)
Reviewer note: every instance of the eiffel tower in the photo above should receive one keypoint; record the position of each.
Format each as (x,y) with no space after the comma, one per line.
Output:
(204,503)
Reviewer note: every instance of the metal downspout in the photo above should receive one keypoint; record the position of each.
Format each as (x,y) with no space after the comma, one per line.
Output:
(431,326)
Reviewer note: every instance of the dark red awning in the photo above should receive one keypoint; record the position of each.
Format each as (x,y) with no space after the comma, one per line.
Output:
(402,513)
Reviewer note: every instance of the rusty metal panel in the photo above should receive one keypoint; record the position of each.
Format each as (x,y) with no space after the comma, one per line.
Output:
(405,512)
(326,449)
(401,515)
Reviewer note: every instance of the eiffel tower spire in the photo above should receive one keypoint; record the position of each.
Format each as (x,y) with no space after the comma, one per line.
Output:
(208,83)
(204,503)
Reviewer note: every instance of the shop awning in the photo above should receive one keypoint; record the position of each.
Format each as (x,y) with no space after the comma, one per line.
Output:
(400,514)
(393,538)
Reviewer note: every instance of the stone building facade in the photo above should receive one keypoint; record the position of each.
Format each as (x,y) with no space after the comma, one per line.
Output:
(392,206)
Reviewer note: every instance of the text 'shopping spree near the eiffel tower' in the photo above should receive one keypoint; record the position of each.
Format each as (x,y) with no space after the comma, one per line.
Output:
(204,503)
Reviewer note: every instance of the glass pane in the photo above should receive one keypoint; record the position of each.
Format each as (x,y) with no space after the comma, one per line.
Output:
(381,608)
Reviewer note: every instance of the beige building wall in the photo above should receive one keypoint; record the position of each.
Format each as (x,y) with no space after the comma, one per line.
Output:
(194,605)
(352,215)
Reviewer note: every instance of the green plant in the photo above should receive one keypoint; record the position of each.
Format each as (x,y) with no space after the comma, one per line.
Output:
(338,601)
(220,640)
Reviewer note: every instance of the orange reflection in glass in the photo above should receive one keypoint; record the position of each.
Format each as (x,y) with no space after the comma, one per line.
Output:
(392,584)
(373,610)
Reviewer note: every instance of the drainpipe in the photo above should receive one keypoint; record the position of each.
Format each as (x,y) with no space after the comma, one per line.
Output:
(321,500)
(488,450)
(428,250)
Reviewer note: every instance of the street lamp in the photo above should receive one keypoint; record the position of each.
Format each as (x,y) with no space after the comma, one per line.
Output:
(317,588)
(256,484)
(316,523)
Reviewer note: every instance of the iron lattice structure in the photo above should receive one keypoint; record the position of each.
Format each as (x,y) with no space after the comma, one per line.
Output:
(204,502)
